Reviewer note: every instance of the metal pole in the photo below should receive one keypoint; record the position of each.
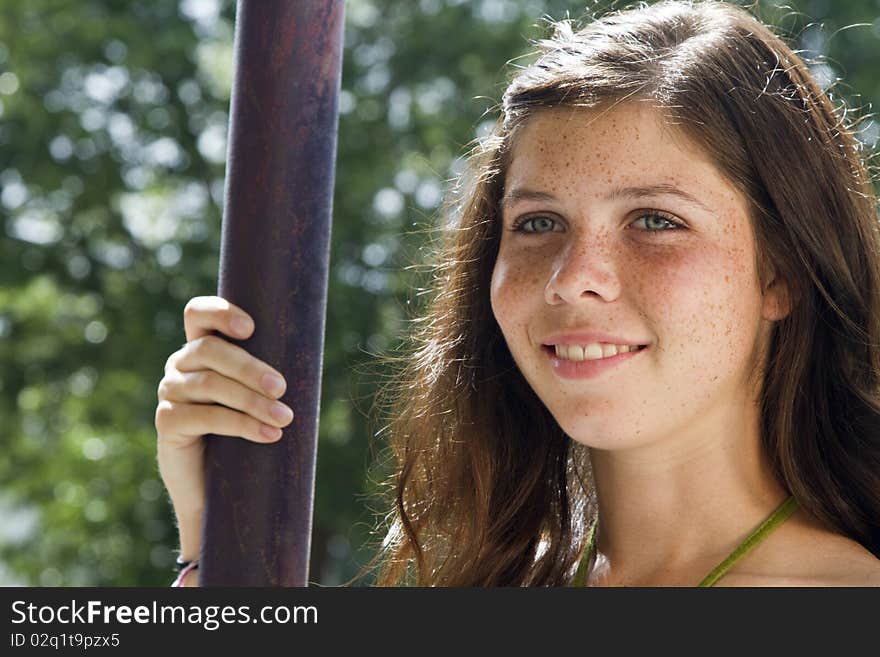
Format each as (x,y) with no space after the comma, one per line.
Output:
(274,259)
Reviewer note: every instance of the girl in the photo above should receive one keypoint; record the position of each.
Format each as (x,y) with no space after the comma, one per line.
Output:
(652,353)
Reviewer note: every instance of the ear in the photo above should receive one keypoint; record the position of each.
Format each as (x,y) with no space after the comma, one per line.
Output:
(777,300)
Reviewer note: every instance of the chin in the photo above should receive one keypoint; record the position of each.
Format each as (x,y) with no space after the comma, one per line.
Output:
(604,433)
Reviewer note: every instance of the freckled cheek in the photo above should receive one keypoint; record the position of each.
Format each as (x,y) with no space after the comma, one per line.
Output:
(653,283)
(516,277)
(704,310)
(516,289)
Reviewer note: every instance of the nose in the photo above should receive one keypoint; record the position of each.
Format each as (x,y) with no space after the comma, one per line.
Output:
(584,268)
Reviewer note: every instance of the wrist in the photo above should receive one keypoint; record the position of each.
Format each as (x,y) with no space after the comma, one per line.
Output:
(182,473)
(189,528)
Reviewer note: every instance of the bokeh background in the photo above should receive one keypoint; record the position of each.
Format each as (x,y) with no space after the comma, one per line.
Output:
(113,124)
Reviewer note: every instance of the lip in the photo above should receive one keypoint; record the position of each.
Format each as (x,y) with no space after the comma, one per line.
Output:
(586,369)
(586,337)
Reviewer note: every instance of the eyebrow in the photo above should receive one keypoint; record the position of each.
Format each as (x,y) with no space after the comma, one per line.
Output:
(522,194)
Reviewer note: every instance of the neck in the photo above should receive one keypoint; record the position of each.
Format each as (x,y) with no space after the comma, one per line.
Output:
(671,510)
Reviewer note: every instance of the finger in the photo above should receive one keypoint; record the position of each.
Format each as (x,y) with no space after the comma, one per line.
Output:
(202,315)
(211,352)
(180,422)
(207,387)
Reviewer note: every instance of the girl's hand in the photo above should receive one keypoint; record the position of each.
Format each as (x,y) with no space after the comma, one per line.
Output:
(211,386)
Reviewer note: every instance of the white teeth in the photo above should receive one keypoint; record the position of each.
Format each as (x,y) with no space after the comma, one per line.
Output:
(591,351)
(610,350)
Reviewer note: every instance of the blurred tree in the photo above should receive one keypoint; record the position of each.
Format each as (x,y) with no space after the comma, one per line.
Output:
(113,117)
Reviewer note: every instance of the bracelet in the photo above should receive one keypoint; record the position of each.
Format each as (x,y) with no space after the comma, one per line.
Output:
(184,568)
(180,564)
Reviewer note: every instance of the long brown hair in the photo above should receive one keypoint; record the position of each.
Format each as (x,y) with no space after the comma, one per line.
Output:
(486,489)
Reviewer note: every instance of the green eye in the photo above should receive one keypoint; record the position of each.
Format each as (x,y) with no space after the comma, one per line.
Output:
(537,222)
(657,222)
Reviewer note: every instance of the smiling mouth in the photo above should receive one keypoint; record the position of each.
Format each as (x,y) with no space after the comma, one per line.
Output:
(589,352)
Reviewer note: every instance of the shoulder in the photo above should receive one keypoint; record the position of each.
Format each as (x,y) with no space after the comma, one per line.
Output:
(804,553)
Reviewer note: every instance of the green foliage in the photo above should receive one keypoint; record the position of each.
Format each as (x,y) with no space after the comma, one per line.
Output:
(113,119)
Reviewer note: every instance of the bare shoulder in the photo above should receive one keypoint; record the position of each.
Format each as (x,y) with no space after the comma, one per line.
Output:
(804,553)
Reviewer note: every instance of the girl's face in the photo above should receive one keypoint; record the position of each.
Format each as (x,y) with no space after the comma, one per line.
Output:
(617,231)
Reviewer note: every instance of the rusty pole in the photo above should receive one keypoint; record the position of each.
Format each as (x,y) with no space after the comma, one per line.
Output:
(274,260)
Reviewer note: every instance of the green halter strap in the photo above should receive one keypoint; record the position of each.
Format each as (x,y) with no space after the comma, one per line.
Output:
(780,515)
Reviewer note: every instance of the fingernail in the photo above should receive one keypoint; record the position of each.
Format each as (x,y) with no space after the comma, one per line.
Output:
(272,383)
(281,412)
(270,432)
(241,326)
